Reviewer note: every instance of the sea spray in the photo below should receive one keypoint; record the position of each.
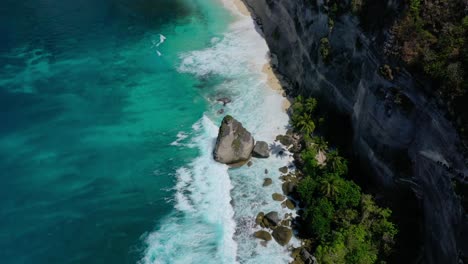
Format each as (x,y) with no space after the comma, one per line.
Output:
(202,229)
(216,206)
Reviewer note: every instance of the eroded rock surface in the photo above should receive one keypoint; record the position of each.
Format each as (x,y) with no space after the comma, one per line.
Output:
(234,143)
(261,150)
(262,234)
(282,235)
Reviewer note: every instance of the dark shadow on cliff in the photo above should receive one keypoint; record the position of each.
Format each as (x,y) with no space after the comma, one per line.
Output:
(406,208)
(256,22)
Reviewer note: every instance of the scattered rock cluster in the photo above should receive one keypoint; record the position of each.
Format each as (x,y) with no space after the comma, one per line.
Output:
(234,146)
(281,231)
(290,182)
(302,256)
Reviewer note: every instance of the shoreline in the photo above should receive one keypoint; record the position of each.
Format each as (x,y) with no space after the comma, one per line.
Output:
(274,87)
(241,7)
(274,84)
(272,79)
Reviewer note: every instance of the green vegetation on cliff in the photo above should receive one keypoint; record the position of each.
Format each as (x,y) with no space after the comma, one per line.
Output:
(302,115)
(431,38)
(325,48)
(346,225)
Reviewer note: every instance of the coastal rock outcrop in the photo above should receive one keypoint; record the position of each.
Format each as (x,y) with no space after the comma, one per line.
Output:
(290,204)
(259,219)
(234,143)
(283,169)
(286,140)
(267,182)
(277,197)
(288,187)
(262,234)
(307,257)
(282,235)
(272,219)
(261,150)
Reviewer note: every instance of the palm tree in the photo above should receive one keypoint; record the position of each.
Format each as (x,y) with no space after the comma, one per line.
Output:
(336,163)
(304,123)
(299,99)
(321,143)
(310,104)
(329,186)
(298,106)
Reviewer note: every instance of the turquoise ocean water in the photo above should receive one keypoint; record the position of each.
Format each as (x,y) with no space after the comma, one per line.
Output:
(109,117)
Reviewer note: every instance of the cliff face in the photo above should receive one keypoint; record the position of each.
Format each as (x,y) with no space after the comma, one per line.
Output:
(398,133)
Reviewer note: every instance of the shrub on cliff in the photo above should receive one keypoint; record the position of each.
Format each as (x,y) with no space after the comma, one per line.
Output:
(348,226)
(325,49)
(311,166)
(432,38)
(351,246)
(336,164)
(369,237)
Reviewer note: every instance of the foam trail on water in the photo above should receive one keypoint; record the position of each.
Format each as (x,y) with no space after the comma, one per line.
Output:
(209,227)
(239,57)
(162,38)
(202,229)
(183,203)
(180,137)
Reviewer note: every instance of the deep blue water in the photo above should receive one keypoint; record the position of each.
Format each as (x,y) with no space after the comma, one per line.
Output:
(88,110)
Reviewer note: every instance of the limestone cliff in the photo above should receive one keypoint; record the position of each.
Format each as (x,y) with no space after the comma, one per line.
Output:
(398,132)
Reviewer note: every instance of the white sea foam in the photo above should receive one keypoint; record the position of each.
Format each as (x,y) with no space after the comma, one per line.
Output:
(212,228)
(180,137)
(215,60)
(162,38)
(204,232)
(183,203)
(198,125)
(156,44)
